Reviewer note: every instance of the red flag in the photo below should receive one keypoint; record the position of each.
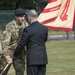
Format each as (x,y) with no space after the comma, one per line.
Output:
(58,15)
(53,0)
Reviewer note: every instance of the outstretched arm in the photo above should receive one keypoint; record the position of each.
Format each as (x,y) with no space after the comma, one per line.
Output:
(22,43)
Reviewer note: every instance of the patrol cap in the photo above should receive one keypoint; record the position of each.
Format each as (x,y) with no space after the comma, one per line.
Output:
(19,12)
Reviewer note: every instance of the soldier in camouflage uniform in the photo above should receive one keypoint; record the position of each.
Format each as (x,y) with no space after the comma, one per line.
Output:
(11,37)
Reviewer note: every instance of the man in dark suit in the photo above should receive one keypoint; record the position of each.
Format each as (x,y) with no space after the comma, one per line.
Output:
(34,37)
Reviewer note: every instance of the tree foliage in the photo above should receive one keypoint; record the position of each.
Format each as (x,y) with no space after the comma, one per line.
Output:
(13,4)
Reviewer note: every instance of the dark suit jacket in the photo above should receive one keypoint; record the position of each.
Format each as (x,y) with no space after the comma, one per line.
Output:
(34,37)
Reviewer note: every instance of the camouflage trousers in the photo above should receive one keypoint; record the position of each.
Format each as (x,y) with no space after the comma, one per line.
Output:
(19,66)
(19,63)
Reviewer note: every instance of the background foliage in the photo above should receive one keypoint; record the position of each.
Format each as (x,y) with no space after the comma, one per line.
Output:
(26,4)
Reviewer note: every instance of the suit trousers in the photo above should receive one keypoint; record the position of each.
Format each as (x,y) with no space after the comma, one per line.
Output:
(36,69)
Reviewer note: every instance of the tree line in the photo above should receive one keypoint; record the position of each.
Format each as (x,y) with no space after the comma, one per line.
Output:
(26,4)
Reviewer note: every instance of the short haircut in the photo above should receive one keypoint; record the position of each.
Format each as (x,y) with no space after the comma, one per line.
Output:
(32,13)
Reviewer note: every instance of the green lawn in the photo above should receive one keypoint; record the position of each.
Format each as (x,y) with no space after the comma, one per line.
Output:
(61,58)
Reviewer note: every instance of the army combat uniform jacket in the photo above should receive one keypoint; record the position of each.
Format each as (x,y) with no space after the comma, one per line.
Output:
(12,36)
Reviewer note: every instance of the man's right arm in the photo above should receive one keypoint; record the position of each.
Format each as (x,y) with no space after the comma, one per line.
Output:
(6,36)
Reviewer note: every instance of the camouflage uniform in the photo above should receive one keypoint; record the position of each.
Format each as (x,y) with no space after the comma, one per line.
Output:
(9,43)
(0,46)
(0,55)
(2,58)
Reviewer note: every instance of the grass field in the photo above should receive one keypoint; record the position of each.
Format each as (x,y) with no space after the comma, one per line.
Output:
(61,58)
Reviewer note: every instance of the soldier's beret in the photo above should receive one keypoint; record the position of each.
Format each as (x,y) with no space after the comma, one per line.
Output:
(19,12)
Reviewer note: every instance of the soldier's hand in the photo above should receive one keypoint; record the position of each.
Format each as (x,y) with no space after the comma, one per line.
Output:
(9,60)
(0,52)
